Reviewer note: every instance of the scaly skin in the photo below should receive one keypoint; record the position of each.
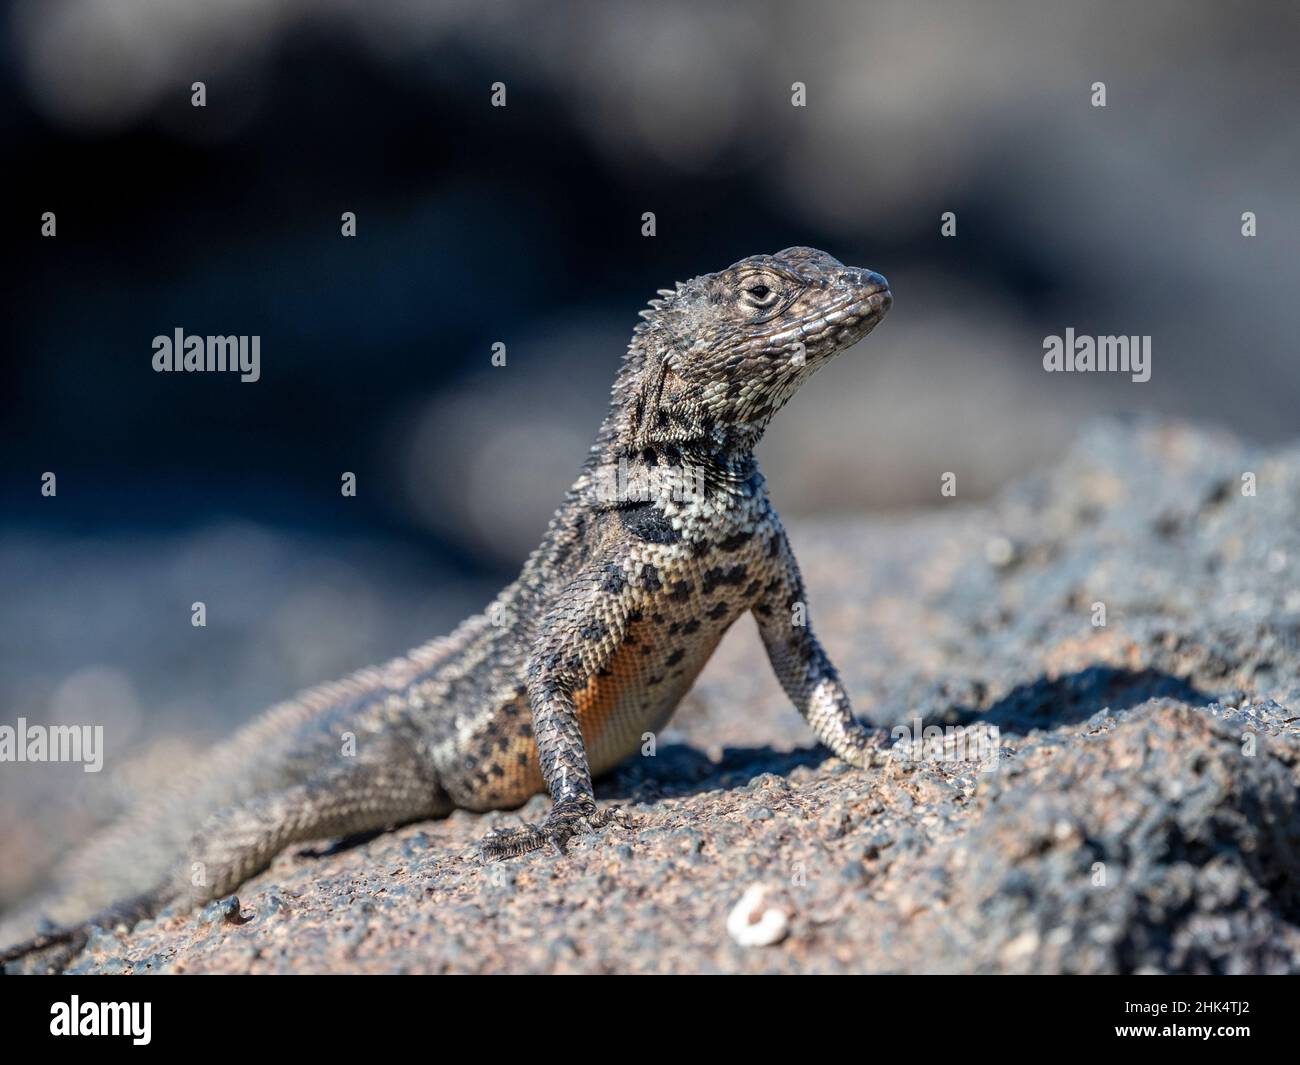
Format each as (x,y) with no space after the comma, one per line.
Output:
(664,540)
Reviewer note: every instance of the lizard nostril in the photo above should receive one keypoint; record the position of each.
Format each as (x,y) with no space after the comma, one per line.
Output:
(865,279)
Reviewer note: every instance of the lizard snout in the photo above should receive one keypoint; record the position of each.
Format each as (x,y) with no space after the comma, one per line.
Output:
(869,280)
(874,289)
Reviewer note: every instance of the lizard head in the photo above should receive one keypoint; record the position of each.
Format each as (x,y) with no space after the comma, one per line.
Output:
(721,353)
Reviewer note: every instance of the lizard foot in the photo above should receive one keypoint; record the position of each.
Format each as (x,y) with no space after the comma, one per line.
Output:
(565,822)
(875,750)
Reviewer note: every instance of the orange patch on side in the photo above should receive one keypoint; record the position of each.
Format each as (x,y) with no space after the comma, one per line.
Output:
(595,705)
(625,671)
(596,702)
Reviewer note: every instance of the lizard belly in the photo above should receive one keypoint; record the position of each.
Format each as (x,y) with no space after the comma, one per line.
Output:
(685,613)
(635,694)
(676,632)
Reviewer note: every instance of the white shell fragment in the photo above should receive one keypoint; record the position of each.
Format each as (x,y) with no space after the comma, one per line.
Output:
(758,920)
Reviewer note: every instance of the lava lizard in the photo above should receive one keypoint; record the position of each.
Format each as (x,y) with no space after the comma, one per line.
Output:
(666,537)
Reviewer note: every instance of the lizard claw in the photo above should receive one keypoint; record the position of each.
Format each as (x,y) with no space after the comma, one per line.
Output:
(502,843)
(563,824)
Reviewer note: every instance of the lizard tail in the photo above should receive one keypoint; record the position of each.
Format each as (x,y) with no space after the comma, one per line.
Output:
(230,812)
(50,950)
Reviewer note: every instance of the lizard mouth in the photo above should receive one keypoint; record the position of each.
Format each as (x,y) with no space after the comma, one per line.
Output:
(876,300)
(859,314)
(843,324)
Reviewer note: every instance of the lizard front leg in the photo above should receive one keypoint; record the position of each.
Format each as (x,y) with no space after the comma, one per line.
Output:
(576,638)
(802,666)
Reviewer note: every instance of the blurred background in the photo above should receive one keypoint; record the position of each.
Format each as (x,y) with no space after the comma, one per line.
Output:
(523,225)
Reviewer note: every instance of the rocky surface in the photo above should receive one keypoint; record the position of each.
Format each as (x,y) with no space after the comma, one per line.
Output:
(1135,810)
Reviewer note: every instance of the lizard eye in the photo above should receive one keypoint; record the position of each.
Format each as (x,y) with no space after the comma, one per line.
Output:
(760,295)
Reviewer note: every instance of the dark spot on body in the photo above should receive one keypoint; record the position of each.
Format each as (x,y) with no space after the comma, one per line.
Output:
(614,581)
(736,541)
(723,575)
(675,657)
(719,611)
(648,523)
